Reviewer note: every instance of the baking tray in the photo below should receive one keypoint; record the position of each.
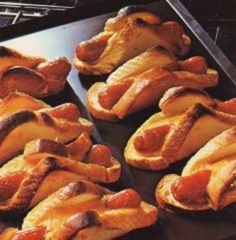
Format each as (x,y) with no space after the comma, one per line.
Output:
(57,35)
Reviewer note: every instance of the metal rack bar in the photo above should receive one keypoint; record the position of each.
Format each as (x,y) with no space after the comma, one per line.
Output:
(35,6)
(219,20)
(25,15)
(17,10)
(204,38)
(17,17)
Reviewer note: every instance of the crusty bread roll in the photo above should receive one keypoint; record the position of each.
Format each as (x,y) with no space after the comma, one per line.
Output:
(87,211)
(141,82)
(131,32)
(48,165)
(35,76)
(190,192)
(173,135)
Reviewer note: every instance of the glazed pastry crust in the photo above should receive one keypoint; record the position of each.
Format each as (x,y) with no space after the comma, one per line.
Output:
(177,99)
(19,101)
(153,57)
(8,233)
(11,57)
(131,13)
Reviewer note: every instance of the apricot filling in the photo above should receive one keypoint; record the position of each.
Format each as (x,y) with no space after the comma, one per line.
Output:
(91,50)
(228,106)
(109,96)
(192,188)
(196,65)
(35,233)
(125,199)
(66,111)
(79,147)
(9,184)
(100,154)
(151,139)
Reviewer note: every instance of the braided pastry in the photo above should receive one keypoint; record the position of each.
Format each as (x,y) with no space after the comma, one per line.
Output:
(24,118)
(35,76)
(19,101)
(189,119)
(132,31)
(46,166)
(208,179)
(141,81)
(86,211)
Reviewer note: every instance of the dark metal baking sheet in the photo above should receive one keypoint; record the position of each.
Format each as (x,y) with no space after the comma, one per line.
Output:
(61,39)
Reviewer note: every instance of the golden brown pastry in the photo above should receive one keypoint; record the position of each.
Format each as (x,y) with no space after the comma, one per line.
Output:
(10,57)
(47,165)
(19,101)
(131,32)
(208,179)
(35,76)
(130,13)
(141,81)
(189,119)
(23,118)
(83,210)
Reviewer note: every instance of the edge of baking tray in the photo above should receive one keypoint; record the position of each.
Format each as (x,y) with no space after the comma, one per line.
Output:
(204,38)
(57,18)
(105,6)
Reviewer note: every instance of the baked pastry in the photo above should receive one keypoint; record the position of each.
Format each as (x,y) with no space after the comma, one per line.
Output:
(141,81)
(177,99)
(19,101)
(35,76)
(10,57)
(47,165)
(132,31)
(20,124)
(83,210)
(207,180)
(178,131)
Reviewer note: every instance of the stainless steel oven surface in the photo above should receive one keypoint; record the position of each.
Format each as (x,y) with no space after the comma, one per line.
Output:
(82,21)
